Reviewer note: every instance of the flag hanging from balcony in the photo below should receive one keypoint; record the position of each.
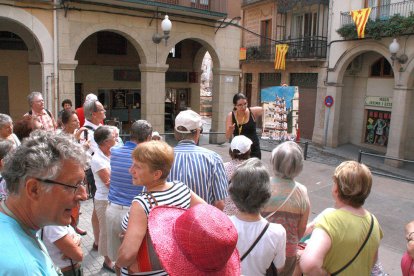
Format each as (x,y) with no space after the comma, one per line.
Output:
(242,53)
(360,18)
(280,56)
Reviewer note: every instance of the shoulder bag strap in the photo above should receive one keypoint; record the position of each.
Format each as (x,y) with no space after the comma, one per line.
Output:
(359,251)
(286,199)
(255,242)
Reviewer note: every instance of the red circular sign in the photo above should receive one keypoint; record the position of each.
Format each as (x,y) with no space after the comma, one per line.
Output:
(329,101)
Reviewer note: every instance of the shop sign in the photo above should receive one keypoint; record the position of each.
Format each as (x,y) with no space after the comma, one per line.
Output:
(378,101)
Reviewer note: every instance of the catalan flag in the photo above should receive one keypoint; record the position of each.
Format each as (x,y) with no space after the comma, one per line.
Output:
(360,18)
(280,56)
(242,53)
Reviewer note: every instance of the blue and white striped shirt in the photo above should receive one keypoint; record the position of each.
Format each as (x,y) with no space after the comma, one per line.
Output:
(201,170)
(121,189)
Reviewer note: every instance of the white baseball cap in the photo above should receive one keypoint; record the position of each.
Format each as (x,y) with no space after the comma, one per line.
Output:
(241,143)
(188,119)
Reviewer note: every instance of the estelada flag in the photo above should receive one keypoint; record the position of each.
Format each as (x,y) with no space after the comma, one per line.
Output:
(280,56)
(360,18)
(242,53)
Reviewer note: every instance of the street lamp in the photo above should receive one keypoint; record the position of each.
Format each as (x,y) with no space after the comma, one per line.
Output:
(394,48)
(166,26)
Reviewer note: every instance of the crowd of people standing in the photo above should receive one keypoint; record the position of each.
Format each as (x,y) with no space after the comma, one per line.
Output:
(160,210)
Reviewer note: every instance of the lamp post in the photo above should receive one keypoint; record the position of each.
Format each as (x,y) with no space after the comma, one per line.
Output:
(394,48)
(166,26)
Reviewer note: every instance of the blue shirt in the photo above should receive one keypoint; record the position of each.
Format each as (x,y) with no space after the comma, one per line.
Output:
(201,170)
(121,189)
(20,254)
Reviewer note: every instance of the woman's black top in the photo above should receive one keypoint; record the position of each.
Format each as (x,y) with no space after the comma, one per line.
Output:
(248,129)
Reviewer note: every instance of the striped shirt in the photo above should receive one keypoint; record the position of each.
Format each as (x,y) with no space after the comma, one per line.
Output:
(121,189)
(47,121)
(201,170)
(178,195)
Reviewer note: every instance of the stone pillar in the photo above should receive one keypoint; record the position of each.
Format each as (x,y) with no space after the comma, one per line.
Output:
(66,81)
(225,85)
(400,113)
(195,93)
(47,84)
(153,94)
(332,116)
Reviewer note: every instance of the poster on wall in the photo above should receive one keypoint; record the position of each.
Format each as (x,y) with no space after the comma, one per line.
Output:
(377,127)
(118,98)
(280,112)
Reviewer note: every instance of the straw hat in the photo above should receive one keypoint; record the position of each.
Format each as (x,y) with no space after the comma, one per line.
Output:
(197,241)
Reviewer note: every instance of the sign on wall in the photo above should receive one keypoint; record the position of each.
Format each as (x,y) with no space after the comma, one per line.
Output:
(378,101)
(280,112)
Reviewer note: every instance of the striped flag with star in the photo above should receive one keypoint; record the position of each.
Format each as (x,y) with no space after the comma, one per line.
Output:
(360,18)
(280,56)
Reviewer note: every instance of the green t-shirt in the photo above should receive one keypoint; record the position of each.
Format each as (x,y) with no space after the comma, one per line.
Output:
(347,233)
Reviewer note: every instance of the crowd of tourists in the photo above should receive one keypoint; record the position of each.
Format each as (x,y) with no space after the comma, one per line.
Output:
(176,211)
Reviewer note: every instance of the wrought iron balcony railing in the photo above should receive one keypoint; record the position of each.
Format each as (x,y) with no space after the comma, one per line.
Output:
(300,48)
(219,6)
(383,12)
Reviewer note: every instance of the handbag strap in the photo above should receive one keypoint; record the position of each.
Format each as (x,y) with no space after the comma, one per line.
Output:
(280,206)
(255,242)
(359,251)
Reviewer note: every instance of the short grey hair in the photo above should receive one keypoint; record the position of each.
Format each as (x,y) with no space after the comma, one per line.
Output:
(287,160)
(5,120)
(140,131)
(5,147)
(102,134)
(184,136)
(41,155)
(32,95)
(89,107)
(250,186)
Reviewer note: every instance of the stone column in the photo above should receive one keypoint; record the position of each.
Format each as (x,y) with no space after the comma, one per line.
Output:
(153,94)
(66,81)
(195,93)
(332,116)
(225,85)
(400,113)
(46,85)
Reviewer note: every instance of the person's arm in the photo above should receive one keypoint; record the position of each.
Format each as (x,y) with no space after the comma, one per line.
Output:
(229,126)
(70,248)
(257,111)
(409,232)
(134,235)
(303,222)
(311,261)
(195,199)
(105,176)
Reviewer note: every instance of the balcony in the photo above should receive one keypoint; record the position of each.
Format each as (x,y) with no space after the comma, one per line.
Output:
(300,48)
(384,12)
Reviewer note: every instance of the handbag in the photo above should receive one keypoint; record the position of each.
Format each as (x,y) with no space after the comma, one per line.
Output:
(359,251)
(271,270)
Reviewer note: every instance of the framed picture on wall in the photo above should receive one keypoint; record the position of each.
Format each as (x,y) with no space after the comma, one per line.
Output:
(119,98)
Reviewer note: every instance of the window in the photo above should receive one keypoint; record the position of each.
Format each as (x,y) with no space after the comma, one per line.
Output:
(381,68)
(381,8)
(281,26)
(266,32)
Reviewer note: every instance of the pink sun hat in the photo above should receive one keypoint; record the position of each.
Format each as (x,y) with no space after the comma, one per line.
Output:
(197,241)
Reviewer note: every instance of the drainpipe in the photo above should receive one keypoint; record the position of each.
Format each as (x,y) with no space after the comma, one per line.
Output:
(55,60)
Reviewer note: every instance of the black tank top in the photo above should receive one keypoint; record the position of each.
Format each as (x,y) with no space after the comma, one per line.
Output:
(248,129)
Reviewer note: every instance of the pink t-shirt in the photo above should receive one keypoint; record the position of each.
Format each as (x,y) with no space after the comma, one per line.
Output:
(407,265)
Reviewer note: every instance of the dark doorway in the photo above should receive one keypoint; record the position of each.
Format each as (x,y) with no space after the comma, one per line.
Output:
(4,95)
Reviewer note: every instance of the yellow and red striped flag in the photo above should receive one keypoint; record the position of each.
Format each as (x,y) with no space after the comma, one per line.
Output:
(360,18)
(280,56)
(242,53)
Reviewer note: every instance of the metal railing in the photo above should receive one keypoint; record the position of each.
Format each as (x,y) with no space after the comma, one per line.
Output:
(361,153)
(219,6)
(306,47)
(383,12)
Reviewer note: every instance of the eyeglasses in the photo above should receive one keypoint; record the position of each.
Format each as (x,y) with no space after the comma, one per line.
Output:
(75,188)
(242,105)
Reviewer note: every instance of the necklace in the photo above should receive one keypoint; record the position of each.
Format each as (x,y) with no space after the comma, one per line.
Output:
(240,125)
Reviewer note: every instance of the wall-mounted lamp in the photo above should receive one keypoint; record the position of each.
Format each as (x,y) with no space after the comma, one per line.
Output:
(394,48)
(166,26)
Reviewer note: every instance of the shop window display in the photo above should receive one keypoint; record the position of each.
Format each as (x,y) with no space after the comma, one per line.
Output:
(377,127)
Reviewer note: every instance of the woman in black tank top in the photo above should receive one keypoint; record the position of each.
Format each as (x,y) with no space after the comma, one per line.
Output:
(242,121)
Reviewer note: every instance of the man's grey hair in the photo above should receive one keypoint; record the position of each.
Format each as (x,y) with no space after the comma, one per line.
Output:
(184,136)
(5,147)
(89,107)
(5,120)
(287,160)
(32,95)
(140,131)
(102,134)
(41,155)
(250,186)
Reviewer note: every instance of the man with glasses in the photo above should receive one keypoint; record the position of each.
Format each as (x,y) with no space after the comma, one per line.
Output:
(37,109)
(202,170)
(44,178)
